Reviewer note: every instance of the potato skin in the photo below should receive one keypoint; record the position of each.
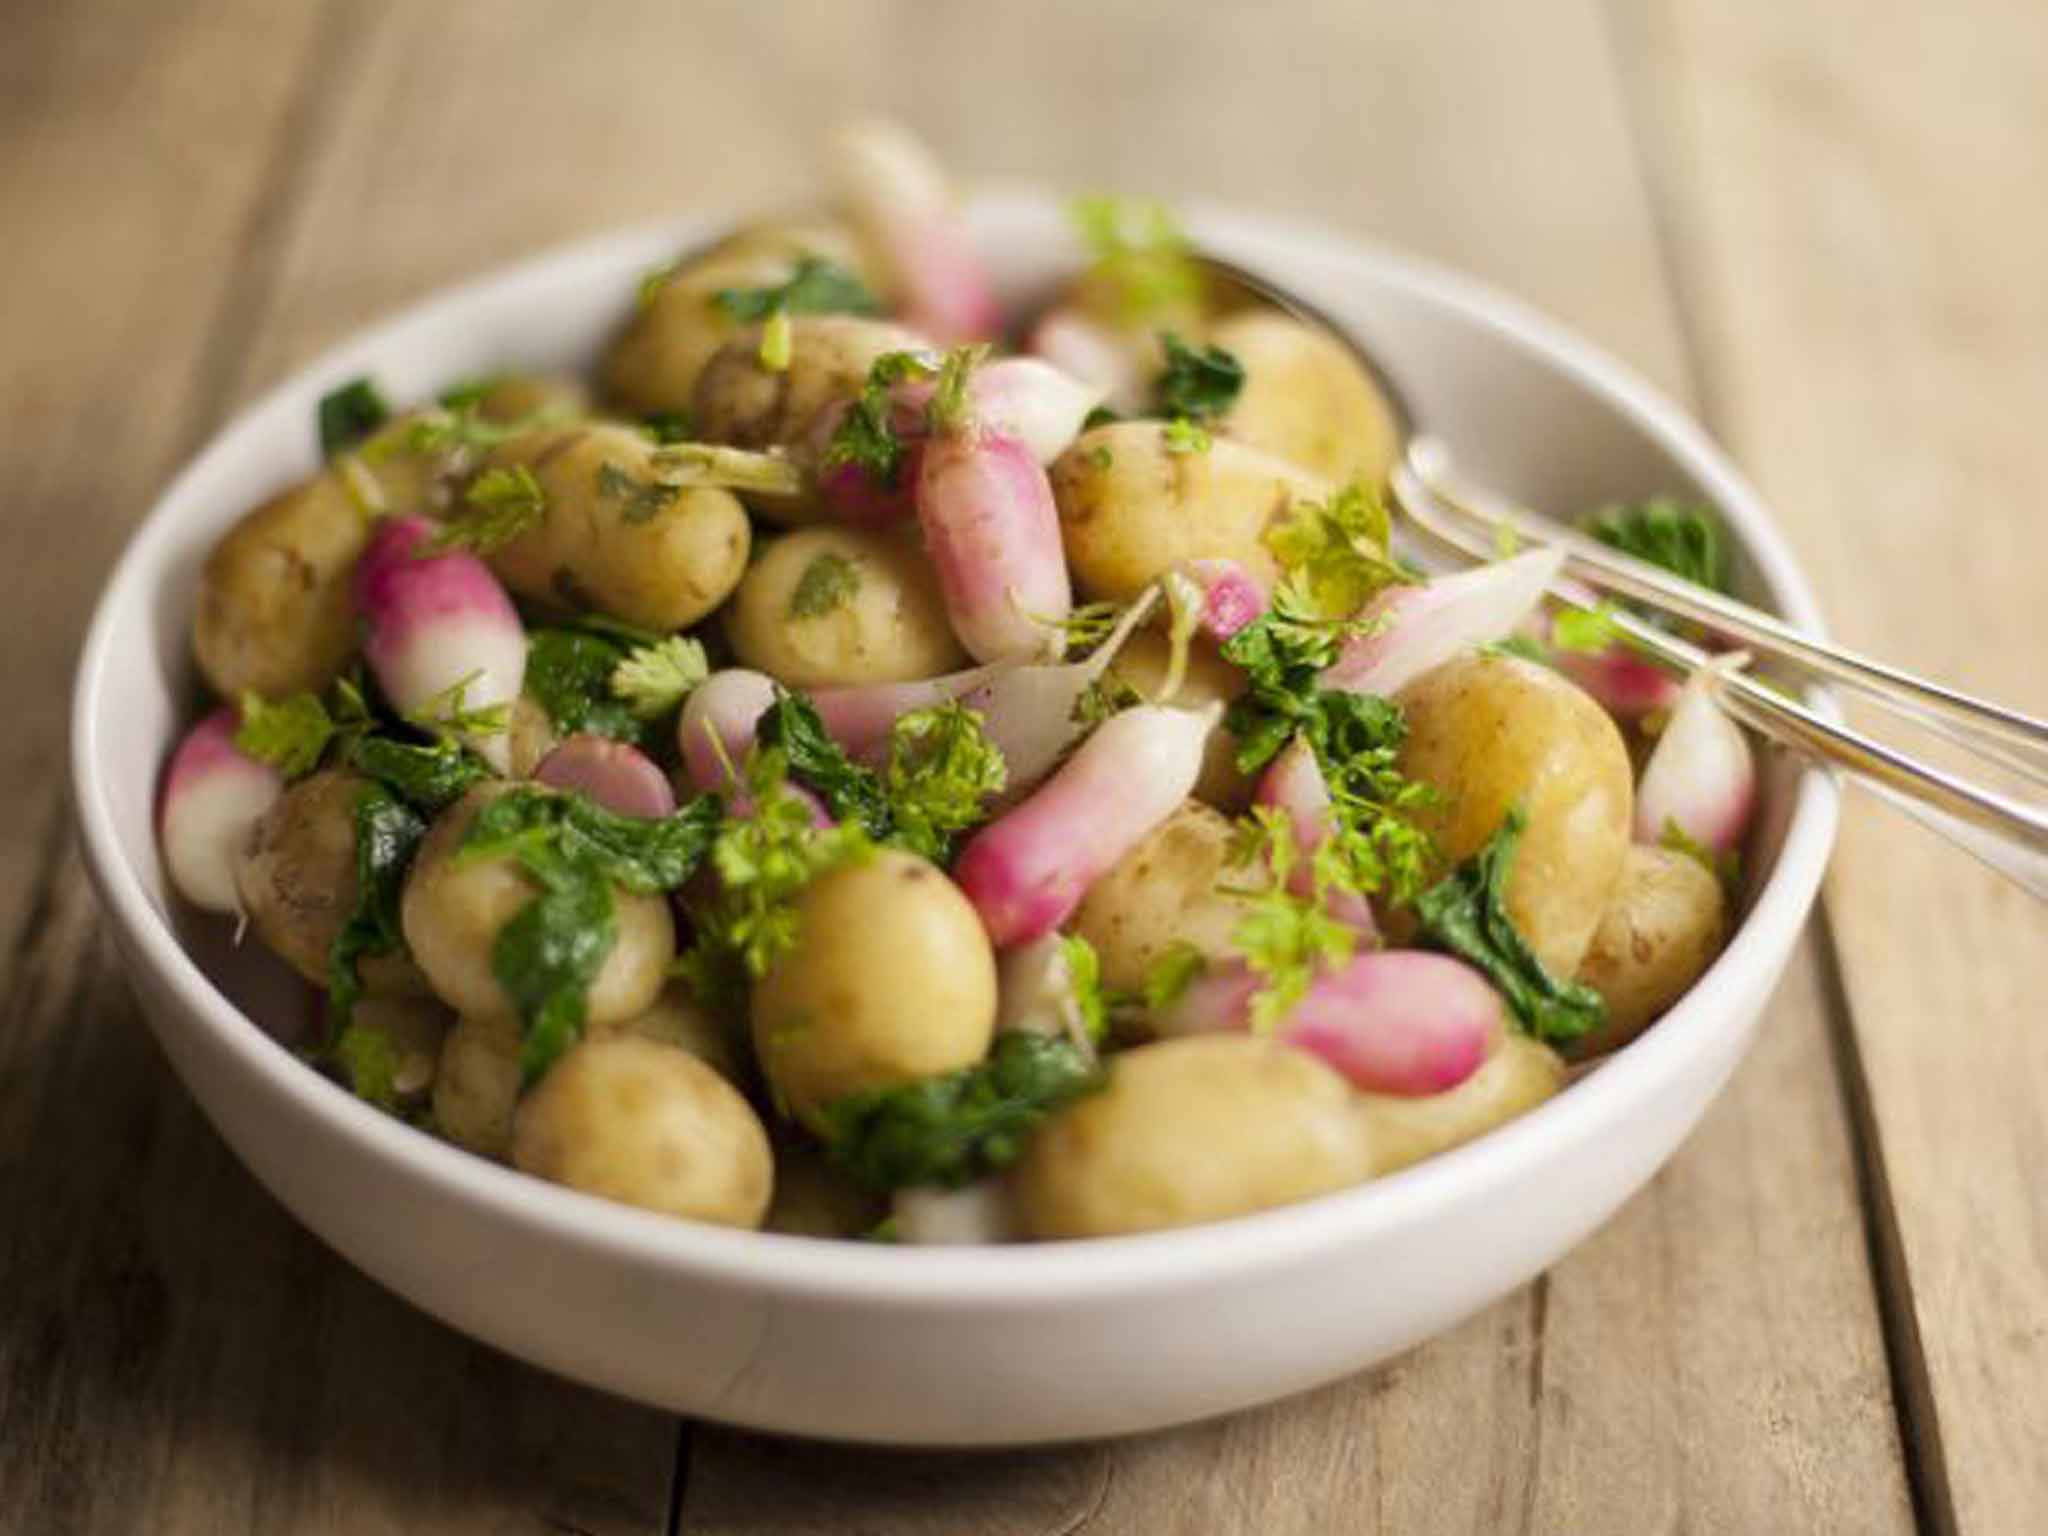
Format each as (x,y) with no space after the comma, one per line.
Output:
(677,1019)
(1193,1130)
(1306,399)
(415,1028)
(891,979)
(650,1125)
(654,363)
(1129,509)
(1493,732)
(275,615)
(451,915)
(1209,679)
(662,567)
(476,1086)
(890,627)
(1520,1074)
(1662,928)
(296,877)
(1163,892)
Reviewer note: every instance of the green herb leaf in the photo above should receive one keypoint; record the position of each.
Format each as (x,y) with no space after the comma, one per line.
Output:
(668,426)
(1526,647)
(290,735)
(826,584)
(349,414)
(1465,914)
(1102,698)
(866,435)
(655,679)
(569,674)
(1140,255)
(468,394)
(777,342)
(1183,436)
(388,834)
(1335,553)
(942,771)
(368,1062)
(1084,978)
(449,711)
(1179,966)
(1288,939)
(429,779)
(1101,416)
(1200,383)
(638,500)
(851,791)
(502,503)
(947,411)
(816,287)
(1725,867)
(948,1131)
(1584,629)
(1682,537)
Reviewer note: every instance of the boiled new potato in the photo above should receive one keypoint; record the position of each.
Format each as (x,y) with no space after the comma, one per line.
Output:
(1131,508)
(1209,679)
(1520,1074)
(1306,399)
(650,1125)
(453,909)
(617,533)
(1662,928)
(677,1019)
(654,364)
(476,1085)
(891,979)
(407,1033)
(825,607)
(1493,732)
(743,401)
(1163,893)
(512,397)
(275,615)
(296,877)
(1193,1130)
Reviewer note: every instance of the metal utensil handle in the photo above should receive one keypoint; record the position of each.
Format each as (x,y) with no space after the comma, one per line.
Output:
(2013,740)
(2009,835)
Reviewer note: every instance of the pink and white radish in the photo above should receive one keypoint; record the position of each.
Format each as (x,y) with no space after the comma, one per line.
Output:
(716,729)
(213,794)
(1620,681)
(897,196)
(439,626)
(1414,629)
(1701,776)
(1026,871)
(993,533)
(617,776)
(1037,992)
(1029,712)
(1293,782)
(1231,596)
(1087,350)
(1400,1021)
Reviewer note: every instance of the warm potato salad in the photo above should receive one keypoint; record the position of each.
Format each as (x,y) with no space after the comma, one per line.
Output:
(869,765)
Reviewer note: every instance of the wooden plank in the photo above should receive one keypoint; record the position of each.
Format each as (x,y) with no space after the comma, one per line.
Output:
(1865,246)
(175,1354)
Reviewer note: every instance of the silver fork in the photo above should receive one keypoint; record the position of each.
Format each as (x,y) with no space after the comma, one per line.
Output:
(2009,834)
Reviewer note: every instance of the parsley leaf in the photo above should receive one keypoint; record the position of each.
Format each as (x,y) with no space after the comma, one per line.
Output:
(1140,254)
(1682,537)
(1183,436)
(942,769)
(850,791)
(1084,979)
(1200,383)
(429,779)
(1288,939)
(1725,867)
(639,500)
(290,735)
(950,1130)
(866,436)
(667,427)
(825,585)
(1335,552)
(349,414)
(1465,914)
(501,504)
(388,833)
(1179,966)
(569,673)
(815,287)
(368,1060)
(1584,629)
(654,679)
(449,711)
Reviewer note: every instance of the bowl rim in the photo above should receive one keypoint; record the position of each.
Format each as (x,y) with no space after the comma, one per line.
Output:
(1020,1276)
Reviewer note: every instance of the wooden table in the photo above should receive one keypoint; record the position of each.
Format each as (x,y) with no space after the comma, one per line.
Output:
(1820,223)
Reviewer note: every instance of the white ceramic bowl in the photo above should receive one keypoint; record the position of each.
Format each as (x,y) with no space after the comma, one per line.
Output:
(932,1346)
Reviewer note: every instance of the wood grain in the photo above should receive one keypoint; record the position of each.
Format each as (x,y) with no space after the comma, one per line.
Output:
(1863,247)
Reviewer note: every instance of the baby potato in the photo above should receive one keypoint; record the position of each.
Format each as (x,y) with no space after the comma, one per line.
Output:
(619,538)
(1193,1130)
(677,1019)
(412,1029)
(1130,508)
(1520,1074)
(1493,732)
(274,613)
(1162,893)
(829,606)
(529,735)
(1209,679)
(1662,928)
(654,364)
(891,979)
(296,876)
(476,1086)
(512,397)
(649,1125)
(451,912)
(1306,399)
